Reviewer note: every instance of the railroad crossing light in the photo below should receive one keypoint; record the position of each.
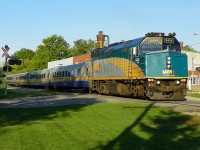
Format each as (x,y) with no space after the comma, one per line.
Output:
(18,62)
(11,62)
(4,68)
(7,68)
(14,61)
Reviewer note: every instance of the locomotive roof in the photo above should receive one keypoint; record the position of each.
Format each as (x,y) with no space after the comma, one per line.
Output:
(126,44)
(119,45)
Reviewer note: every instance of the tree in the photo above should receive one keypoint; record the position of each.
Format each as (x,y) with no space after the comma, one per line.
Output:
(189,48)
(82,46)
(26,56)
(51,50)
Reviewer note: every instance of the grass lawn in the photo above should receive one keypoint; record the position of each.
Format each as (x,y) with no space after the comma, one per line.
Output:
(98,126)
(11,94)
(194,93)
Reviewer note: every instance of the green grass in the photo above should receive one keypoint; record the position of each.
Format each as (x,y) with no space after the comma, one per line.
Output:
(194,95)
(98,126)
(11,94)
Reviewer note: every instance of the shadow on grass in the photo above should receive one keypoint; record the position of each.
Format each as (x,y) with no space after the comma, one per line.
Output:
(12,115)
(21,116)
(160,130)
(168,130)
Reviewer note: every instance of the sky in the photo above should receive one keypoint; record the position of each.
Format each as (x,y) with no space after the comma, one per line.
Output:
(25,23)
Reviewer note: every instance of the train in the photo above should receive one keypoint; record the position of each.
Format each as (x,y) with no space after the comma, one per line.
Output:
(151,67)
(63,78)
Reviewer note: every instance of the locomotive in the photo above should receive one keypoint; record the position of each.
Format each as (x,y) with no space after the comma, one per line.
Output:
(150,67)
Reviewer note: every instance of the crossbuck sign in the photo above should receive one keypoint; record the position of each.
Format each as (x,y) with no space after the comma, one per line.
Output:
(5,51)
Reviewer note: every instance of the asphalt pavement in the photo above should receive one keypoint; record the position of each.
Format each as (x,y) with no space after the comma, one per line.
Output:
(190,105)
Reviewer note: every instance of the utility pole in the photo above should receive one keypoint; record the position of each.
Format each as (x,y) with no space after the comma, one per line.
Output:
(192,72)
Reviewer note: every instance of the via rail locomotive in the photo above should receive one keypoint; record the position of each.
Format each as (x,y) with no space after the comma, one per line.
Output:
(151,67)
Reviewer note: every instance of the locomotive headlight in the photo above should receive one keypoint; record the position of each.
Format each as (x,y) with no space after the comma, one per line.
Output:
(183,80)
(168,61)
(150,80)
(177,82)
(168,58)
(158,82)
(168,66)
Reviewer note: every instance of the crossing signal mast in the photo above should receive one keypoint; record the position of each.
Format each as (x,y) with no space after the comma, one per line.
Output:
(12,61)
(6,55)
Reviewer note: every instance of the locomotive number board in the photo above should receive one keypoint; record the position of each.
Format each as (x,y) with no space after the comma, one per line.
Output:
(169,40)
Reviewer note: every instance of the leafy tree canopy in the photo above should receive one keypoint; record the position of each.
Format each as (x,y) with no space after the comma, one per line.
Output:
(52,48)
(82,46)
(24,54)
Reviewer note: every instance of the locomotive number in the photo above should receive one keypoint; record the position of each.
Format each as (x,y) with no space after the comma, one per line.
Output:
(169,40)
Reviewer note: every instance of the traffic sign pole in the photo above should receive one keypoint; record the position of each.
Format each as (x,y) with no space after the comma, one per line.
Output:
(6,76)
(5,53)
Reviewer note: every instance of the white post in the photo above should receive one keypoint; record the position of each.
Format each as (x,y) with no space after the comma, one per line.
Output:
(6,76)
(192,79)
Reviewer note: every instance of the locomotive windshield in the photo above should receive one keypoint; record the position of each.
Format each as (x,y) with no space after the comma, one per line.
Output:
(158,42)
(150,44)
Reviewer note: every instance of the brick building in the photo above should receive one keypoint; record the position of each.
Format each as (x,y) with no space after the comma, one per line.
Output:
(81,58)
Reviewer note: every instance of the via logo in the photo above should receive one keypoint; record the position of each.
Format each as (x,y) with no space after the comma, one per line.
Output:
(168,72)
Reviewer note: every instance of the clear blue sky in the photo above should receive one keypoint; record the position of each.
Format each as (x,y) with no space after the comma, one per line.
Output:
(24,23)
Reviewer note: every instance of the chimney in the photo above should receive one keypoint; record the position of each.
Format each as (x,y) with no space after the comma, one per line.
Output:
(100,39)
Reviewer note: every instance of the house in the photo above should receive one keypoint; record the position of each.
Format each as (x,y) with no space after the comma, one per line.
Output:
(193,69)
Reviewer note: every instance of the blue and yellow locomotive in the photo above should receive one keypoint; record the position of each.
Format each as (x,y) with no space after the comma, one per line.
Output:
(152,67)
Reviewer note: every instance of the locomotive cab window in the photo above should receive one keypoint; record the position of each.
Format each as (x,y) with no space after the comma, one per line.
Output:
(150,44)
(135,51)
(175,48)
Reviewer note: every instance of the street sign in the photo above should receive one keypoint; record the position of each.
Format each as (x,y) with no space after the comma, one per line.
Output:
(5,52)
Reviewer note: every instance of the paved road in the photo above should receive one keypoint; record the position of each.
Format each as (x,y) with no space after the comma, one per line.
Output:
(190,106)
